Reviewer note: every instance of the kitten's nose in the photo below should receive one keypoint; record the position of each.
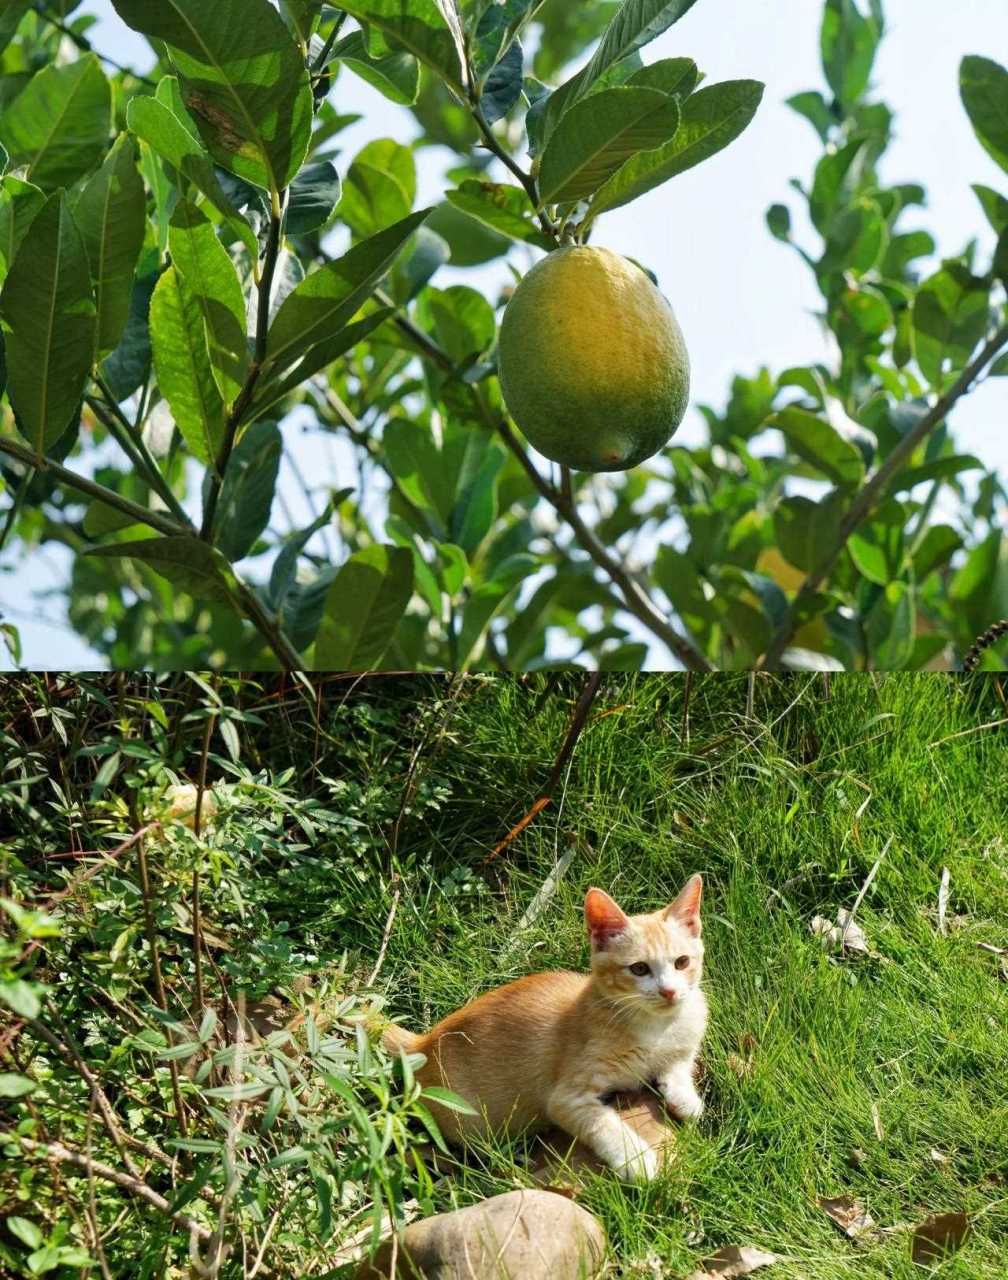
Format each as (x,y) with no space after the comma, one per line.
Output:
(669,993)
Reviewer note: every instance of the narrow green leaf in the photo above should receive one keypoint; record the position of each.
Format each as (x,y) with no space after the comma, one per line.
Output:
(364,605)
(447,1099)
(212,281)
(711,119)
(599,134)
(172,139)
(58,125)
(48,310)
(244,81)
(983,85)
(994,205)
(10,19)
(326,299)
(126,369)
(112,215)
(247,493)
(186,562)
(419,27)
(848,43)
(182,364)
(285,565)
(396,75)
(635,24)
(820,445)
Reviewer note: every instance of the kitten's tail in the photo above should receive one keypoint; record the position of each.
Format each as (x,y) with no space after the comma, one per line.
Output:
(395,1038)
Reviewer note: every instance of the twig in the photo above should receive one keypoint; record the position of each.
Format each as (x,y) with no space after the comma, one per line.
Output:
(387,933)
(159,987)
(199,1001)
(577,723)
(873,491)
(864,889)
(527,181)
(135,1186)
(976,650)
(85,46)
(943,895)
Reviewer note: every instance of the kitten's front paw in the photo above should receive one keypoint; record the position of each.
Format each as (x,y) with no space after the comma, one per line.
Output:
(642,1166)
(684,1102)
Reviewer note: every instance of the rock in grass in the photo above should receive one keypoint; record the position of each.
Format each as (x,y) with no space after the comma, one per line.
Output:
(524,1235)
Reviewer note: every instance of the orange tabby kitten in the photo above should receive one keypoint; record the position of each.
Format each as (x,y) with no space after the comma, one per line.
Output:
(549,1048)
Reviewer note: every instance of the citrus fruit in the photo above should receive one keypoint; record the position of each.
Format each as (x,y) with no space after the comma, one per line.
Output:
(593,365)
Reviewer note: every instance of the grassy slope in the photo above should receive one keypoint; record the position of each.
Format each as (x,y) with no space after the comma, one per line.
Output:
(767,807)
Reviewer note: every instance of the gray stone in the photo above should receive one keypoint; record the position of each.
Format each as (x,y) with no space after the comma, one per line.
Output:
(521,1235)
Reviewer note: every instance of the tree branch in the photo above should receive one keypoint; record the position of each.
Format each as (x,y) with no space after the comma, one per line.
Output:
(244,397)
(874,490)
(85,46)
(526,179)
(140,515)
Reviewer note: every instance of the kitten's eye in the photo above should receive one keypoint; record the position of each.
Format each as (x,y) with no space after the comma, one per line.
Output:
(640,969)
(682,962)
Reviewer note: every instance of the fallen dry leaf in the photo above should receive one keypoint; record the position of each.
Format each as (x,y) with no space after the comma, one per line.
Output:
(939,1157)
(937,1237)
(733,1260)
(844,936)
(849,1216)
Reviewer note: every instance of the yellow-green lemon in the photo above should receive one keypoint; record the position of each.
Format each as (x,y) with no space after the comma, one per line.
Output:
(593,365)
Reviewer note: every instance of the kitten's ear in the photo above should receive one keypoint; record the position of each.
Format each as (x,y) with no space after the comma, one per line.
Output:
(603,917)
(686,908)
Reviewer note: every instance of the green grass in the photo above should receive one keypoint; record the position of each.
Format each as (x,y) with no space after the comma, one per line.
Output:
(784,811)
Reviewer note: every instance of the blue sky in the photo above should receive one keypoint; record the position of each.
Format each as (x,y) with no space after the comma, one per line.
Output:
(742,298)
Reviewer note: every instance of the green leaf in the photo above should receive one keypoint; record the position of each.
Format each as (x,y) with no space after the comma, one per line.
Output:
(111,213)
(186,562)
(285,565)
(418,27)
(448,1099)
(396,75)
(670,75)
(711,119)
(949,318)
(326,299)
(972,581)
(502,207)
(490,596)
(126,369)
(243,80)
(820,445)
(172,138)
(462,321)
(806,531)
(15,1086)
(182,364)
(889,627)
(211,281)
(424,253)
(994,205)
(848,42)
(10,20)
(20,996)
(25,1231)
(939,469)
(935,549)
(247,493)
(317,357)
(877,545)
(314,195)
(635,24)
(364,605)
(601,133)
(812,106)
(983,85)
(19,203)
(475,507)
(380,187)
(58,126)
(48,308)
